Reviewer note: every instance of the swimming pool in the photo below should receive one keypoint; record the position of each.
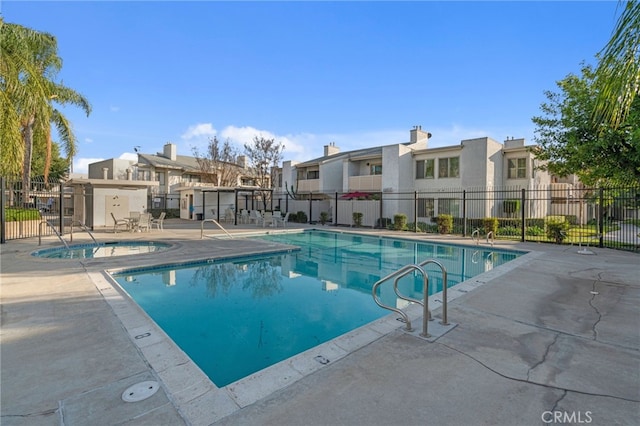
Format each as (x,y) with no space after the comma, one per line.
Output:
(108,249)
(235,317)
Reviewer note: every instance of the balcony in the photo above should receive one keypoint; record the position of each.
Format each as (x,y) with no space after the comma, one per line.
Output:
(309,185)
(365,183)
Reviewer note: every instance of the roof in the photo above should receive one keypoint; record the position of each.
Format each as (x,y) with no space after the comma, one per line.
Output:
(365,152)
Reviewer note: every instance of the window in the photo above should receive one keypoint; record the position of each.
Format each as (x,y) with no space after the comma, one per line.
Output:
(160,177)
(143,175)
(425,169)
(313,174)
(302,174)
(191,178)
(376,169)
(425,207)
(449,167)
(517,168)
(449,206)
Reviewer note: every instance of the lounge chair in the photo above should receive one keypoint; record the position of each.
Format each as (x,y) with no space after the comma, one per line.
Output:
(119,222)
(144,223)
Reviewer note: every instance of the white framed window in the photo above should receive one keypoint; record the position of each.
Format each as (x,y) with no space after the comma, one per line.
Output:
(375,169)
(426,207)
(425,169)
(449,206)
(449,167)
(161,178)
(313,174)
(517,168)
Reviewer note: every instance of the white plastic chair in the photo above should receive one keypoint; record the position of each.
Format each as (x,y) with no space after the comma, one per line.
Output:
(159,222)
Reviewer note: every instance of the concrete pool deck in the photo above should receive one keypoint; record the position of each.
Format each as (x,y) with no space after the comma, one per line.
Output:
(552,339)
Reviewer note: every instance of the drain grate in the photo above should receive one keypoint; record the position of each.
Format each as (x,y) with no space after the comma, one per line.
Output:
(140,391)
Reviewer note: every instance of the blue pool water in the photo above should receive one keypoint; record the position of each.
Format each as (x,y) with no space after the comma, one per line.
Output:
(236,317)
(89,251)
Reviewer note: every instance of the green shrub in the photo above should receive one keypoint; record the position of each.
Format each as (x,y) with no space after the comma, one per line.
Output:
(507,231)
(534,231)
(445,223)
(399,221)
(490,224)
(423,227)
(19,215)
(357,219)
(557,228)
(324,217)
(301,217)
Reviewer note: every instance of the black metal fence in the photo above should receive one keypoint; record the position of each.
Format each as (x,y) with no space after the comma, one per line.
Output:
(556,213)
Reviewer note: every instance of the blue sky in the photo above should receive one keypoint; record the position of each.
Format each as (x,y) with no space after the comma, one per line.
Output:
(358,74)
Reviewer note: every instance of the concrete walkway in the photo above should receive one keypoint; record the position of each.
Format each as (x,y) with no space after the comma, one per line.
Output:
(555,339)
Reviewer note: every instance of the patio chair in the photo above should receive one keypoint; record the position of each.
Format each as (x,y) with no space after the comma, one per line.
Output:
(159,221)
(119,222)
(244,216)
(268,218)
(229,216)
(144,223)
(255,217)
(284,220)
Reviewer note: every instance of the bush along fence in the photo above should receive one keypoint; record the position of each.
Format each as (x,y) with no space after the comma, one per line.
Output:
(556,213)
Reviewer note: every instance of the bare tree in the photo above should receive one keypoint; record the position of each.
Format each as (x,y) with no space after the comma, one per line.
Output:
(264,155)
(218,163)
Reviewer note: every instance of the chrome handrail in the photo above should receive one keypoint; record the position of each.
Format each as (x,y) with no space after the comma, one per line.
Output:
(84,228)
(425,305)
(477,236)
(214,221)
(444,287)
(54,230)
(490,233)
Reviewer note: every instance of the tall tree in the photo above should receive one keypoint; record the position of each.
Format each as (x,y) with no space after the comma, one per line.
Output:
(218,163)
(572,144)
(29,66)
(618,73)
(264,156)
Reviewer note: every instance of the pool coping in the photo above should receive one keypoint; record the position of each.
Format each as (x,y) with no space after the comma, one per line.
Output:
(199,400)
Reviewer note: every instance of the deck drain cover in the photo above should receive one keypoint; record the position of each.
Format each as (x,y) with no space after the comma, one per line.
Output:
(140,391)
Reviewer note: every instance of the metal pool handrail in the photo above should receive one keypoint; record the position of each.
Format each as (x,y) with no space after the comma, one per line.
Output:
(425,305)
(54,230)
(490,234)
(475,235)
(84,228)
(444,287)
(214,221)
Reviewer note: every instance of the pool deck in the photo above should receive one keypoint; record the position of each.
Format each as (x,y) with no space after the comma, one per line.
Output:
(553,338)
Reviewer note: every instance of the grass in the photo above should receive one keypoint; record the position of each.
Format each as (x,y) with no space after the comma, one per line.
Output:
(19,215)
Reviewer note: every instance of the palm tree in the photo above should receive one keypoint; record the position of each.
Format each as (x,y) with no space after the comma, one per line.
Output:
(30,63)
(618,73)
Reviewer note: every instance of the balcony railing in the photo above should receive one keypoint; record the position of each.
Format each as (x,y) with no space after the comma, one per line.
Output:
(365,183)
(309,185)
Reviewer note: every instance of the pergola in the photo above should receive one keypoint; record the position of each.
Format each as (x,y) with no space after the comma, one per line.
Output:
(246,192)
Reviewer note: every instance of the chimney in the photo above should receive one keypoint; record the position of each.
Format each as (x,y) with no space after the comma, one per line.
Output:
(170,151)
(514,143)
(331,149)
(105,173)
(242,161)
(417,134)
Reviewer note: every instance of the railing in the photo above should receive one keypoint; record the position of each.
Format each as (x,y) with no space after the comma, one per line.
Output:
(475,236)
(54,230)
(84,228)
(213,221)
(405,270)
(444,287)
(490,234)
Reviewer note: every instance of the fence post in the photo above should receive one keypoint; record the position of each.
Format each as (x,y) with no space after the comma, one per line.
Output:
(522,216)
(415,211)
(310,206)
(335,214)
(464,212)
(380,212)
(3,205)
(61,209)
(601,219)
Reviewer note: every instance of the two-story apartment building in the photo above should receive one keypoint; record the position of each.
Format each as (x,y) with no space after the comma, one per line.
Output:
(172,181)
(414,167)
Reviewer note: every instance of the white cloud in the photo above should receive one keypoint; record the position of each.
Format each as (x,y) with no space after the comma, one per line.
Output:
(81,165)
(129,156)
(198,131)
